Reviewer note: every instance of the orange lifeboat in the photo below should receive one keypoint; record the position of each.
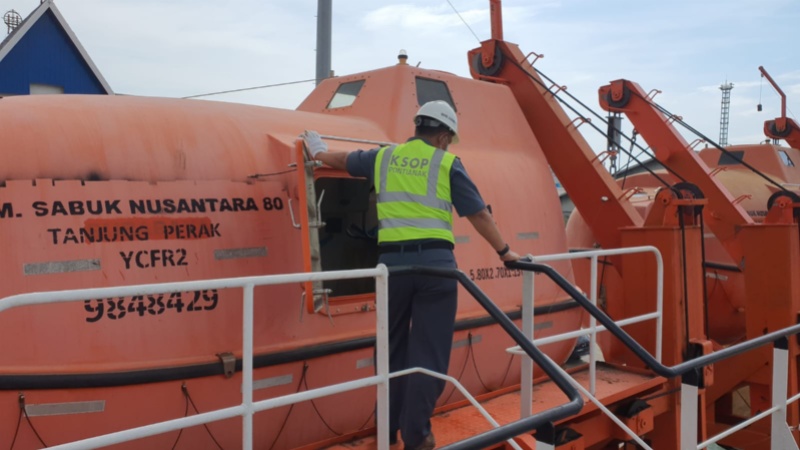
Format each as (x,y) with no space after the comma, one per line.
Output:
(108,191)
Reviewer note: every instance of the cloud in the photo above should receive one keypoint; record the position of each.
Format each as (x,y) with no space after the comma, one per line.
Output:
(411,17)
(793,75)
(683,47)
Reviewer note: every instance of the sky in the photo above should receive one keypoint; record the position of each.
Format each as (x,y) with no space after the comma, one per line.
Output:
(685,48)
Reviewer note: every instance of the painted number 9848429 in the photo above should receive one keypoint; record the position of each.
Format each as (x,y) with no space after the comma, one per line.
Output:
(153,305)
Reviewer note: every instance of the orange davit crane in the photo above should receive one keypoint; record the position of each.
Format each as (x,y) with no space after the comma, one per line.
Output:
(569,155)
(782,127)
(614,221)
(772,292)
(765,253)
(723,215)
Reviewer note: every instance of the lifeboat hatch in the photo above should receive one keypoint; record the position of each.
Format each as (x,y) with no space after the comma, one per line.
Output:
(349,237)
(339,219)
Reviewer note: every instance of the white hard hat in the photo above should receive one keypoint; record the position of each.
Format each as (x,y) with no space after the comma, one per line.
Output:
(442,112)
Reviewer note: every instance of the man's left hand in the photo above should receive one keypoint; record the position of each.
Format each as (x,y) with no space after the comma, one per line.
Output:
(314,143)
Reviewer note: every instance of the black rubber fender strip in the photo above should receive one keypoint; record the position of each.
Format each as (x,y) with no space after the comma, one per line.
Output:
(159,375)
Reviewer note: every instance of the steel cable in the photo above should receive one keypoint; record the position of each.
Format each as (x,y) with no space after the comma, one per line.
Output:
(197,411)
(291,407)
(185,414)
(700,135)
(594,113)
(596,128)
(16,430)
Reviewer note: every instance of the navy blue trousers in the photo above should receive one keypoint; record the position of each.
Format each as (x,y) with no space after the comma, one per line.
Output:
(422,312)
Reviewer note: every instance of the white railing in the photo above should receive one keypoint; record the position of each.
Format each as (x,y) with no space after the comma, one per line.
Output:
(248,407)
(780,435)
(528,315)
(526,369)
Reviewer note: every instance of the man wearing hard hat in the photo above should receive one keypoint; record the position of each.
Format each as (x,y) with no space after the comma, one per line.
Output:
(417,185)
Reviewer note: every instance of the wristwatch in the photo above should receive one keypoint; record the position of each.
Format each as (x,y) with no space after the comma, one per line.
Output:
(503,252)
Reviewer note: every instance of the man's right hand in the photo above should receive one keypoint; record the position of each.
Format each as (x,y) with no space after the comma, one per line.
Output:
(314,143)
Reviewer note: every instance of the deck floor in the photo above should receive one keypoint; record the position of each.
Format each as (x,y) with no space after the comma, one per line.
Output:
(612,385)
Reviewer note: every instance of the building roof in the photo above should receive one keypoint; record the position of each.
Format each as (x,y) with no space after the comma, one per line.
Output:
(19,33)
(635,167)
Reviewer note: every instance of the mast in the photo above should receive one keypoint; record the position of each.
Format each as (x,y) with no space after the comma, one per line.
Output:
(324,31)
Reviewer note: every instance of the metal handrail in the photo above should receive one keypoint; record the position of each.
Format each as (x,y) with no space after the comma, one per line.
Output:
(660,369)
(524,425)
(526,368)
(248,407)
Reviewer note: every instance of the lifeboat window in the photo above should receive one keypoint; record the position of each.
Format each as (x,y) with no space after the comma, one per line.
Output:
(429,90)
(346,94)
(785,158)
(349,239)
(725,159)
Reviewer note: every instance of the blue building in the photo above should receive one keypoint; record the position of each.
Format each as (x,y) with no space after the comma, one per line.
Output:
(43,56)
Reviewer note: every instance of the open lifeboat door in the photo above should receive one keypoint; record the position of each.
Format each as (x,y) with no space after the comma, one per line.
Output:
(339,223)
(309,223)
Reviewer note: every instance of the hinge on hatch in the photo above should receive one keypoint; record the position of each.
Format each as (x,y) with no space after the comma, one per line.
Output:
(321,297)
(228,361)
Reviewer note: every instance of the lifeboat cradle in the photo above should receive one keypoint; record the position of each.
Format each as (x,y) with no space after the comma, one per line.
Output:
(569,408)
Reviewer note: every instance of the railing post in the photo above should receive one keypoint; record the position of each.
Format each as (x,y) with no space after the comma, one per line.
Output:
(689,404)
(659,303)
(247,368)
(526,363)
(546,437)
(382,355)
(593,327)
(780,436)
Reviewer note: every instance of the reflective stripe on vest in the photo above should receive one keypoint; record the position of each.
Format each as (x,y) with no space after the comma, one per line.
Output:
(413,184)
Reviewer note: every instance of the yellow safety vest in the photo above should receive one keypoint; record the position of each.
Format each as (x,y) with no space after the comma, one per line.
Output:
(412,181)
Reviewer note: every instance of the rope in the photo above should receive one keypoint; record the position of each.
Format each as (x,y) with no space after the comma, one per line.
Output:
(250,88)
(705,282)
(185,414)
(475,364)
(685,275)
(628,162)
(314,405)
(24,412)
(289,413)
(258,175)
(16,430)
(465,22)
(594,113)
(463,366)
(197,411)
(471,356)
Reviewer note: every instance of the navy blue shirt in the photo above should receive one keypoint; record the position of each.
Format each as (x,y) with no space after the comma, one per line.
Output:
(463,192)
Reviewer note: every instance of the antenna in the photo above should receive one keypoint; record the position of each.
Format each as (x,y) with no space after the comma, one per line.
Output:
(724,116)
(12,20)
